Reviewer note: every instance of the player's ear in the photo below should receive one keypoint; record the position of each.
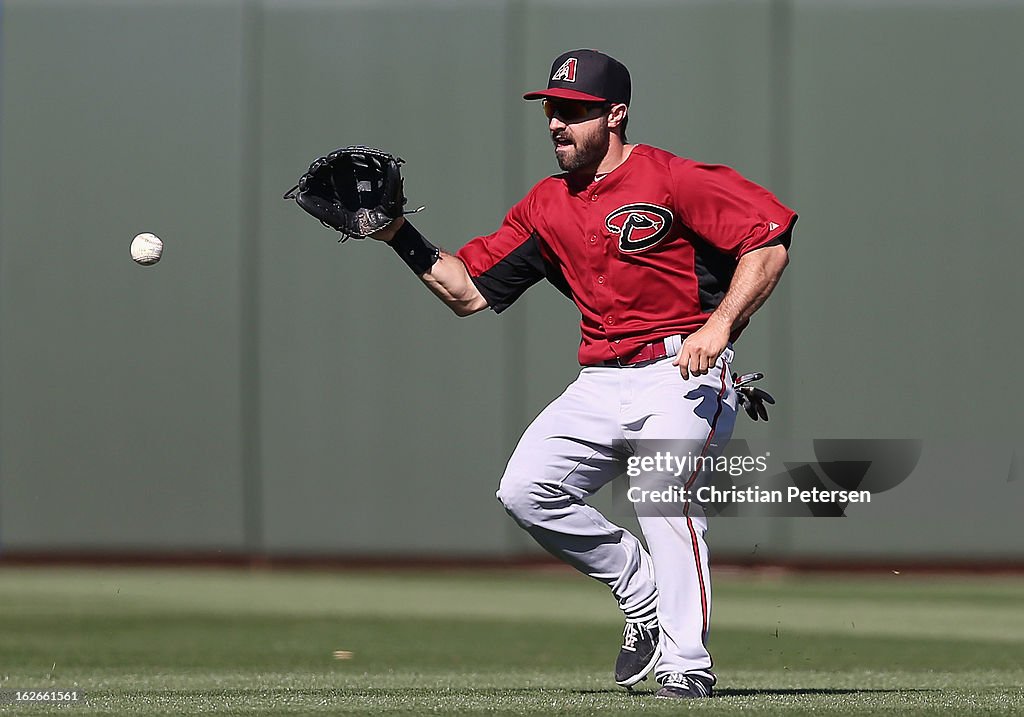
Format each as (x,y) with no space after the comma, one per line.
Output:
(617,115)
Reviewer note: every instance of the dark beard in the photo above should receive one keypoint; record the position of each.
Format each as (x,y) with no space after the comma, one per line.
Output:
(588,153)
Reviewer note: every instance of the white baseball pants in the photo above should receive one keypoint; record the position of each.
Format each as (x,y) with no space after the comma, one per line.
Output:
(579,443)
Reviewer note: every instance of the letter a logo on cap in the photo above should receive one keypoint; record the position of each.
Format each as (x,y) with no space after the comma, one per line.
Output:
(566,72)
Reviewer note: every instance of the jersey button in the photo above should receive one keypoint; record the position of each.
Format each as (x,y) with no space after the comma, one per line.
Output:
(609,320)
(593,197)
(600,280)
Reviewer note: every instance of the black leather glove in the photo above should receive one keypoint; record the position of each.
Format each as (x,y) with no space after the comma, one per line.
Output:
(752,399)
(356,190)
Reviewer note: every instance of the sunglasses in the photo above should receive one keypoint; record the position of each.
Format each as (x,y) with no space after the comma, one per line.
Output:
(570,111)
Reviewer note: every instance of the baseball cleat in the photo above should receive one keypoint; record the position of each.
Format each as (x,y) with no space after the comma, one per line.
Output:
(681,686)
(639,652)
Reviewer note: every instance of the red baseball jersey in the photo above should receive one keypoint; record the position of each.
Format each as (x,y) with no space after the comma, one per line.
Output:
(645,252)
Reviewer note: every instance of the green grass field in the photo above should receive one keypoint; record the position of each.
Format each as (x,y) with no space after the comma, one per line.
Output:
(236,642)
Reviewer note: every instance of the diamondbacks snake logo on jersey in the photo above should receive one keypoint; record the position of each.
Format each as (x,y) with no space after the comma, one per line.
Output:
(639,226)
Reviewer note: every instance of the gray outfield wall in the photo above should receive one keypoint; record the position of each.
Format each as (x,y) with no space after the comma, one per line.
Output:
(264,389)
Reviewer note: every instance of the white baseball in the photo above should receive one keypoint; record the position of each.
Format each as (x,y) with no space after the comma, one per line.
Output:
(147,249)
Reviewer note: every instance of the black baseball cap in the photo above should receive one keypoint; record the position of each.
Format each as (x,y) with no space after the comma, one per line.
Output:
(588,76)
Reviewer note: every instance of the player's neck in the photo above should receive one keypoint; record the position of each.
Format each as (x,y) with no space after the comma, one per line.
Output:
(617,154)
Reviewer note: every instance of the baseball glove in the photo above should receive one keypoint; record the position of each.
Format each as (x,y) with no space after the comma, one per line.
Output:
(355,190)
(750,398)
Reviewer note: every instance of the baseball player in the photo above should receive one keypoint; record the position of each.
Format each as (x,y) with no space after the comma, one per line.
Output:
(666,259)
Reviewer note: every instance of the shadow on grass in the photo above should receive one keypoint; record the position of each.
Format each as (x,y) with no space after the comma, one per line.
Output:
(793,691)
(373,692)
(785,692)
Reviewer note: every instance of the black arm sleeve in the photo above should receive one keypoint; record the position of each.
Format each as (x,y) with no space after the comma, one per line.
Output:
(520,269)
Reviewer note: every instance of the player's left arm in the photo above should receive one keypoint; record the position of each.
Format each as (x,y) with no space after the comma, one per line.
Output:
(741,219)
(757,273)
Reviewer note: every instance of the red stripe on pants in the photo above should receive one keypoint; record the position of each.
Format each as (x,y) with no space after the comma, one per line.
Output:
(689,520)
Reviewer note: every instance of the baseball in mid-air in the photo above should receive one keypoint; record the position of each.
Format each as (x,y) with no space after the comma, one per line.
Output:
(147,249)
